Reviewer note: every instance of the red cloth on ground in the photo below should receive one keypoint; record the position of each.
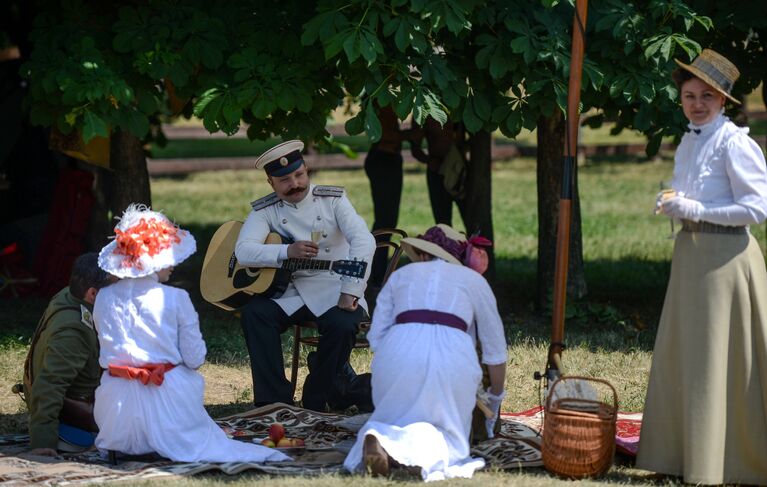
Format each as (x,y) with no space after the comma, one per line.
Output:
(154,373)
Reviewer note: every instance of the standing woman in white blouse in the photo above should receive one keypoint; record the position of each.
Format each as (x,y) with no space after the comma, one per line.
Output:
(151,395)
(428,317)
(705,416)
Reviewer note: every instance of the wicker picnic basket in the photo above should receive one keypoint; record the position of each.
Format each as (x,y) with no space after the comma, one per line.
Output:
(579,434)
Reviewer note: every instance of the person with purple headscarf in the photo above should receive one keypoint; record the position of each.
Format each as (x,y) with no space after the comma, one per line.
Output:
(427,320)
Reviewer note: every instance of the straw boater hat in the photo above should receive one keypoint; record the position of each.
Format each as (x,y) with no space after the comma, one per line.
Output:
(714,69)
(145,242)
(444,242)
(282,159)
(440,241)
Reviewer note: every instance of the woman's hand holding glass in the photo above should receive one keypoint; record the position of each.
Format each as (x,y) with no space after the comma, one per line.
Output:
(665,193)
(683,208)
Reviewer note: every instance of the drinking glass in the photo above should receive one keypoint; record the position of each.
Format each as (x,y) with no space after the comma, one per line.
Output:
(665,187)
(318,231)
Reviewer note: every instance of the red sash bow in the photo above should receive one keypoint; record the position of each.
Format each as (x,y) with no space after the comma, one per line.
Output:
(154,373)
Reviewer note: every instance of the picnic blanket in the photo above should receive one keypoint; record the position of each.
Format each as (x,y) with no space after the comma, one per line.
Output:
(328,438)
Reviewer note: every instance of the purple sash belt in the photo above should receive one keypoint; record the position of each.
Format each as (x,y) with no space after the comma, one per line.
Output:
(431,317)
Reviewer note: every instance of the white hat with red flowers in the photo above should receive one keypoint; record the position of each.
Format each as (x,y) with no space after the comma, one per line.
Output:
(145,242)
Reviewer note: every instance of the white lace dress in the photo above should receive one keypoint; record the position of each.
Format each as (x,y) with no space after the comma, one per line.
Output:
(141,321)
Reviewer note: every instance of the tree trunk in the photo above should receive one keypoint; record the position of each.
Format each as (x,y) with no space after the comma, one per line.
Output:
(477,211)
(127,182)
(130,177)
(551,140)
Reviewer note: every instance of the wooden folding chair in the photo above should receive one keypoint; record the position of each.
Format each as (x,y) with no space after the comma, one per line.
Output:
(361,341)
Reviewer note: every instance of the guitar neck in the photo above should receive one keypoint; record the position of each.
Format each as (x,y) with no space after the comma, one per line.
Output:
(306,264)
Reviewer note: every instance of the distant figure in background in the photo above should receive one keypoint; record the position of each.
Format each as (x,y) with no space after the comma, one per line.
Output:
(705,416)
(443,153)
(151,394)
(383,166)
(62,369)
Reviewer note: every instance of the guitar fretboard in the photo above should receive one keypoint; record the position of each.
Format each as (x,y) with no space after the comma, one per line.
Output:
(306,264)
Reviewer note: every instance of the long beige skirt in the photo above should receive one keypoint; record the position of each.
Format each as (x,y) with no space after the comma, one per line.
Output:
(705,416)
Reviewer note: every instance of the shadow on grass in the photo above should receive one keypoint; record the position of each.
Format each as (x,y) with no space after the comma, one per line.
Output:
(620,312)
(622,473)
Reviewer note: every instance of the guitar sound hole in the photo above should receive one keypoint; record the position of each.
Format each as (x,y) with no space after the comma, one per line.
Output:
(242,278)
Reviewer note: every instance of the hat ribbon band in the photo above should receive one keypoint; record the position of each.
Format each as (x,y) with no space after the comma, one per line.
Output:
(716,75)
(277,169)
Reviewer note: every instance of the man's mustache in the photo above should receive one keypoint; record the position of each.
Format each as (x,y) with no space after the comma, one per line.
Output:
(299,189)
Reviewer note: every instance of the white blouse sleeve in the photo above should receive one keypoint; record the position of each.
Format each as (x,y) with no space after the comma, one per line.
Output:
(748,180)
(489,324)
(383,317)
(190,342)
(362,244)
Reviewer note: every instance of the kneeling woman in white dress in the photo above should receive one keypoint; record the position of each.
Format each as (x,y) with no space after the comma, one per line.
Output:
(151,395)
(425,368)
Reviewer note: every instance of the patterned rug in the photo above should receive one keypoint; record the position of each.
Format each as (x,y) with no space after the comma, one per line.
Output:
(327,436)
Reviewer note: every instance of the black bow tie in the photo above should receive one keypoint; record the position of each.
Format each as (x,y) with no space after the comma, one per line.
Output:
(697,131)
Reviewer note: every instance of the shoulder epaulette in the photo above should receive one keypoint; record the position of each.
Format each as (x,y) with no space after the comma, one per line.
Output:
(262,203)
(335,191)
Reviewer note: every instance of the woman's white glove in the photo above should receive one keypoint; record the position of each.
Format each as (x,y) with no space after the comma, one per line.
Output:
(494,403)
(683,208)
(662,196)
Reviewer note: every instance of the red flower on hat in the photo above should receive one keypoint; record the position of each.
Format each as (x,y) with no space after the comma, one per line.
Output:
(147,237)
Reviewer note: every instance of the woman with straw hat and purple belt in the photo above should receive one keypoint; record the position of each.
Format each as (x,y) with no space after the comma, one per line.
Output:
(427,320)
(705,416)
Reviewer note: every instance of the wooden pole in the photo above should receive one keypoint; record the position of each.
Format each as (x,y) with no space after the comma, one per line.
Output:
(554,362)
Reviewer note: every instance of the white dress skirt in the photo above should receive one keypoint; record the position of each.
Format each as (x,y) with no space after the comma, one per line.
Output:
(425,376)
(705,416)
(424,388)
(168,419)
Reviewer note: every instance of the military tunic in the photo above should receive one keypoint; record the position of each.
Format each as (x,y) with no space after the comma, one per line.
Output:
(345,236)
(65,363)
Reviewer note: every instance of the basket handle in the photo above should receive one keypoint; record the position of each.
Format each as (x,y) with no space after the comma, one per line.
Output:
(584,378)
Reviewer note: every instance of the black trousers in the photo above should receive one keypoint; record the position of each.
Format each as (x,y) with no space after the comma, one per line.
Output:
(263,321)
(441,201)
(384,170)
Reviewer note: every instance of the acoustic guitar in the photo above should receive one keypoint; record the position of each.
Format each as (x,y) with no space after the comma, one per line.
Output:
(229,285)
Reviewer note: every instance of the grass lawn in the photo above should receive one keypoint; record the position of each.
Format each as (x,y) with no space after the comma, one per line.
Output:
(610,335)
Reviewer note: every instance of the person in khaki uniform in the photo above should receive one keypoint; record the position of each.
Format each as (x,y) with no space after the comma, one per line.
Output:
(297,210)
(62,368)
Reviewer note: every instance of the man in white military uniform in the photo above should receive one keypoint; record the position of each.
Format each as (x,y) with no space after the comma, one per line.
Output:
(295,210)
